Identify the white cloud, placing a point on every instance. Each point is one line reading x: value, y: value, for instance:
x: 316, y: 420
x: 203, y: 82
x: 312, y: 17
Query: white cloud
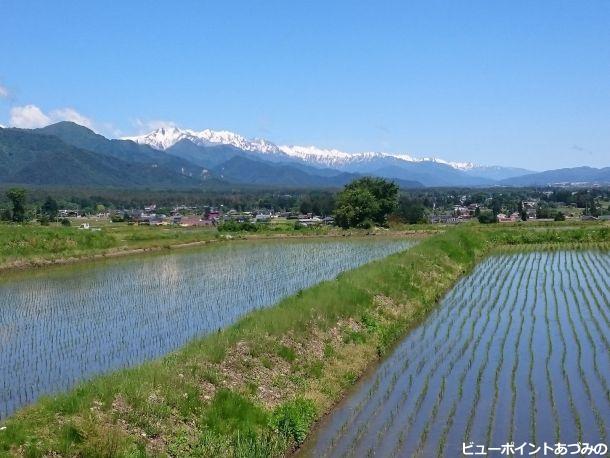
x: 28, y: 117
x: 70, y: 114
x: 3, y: 92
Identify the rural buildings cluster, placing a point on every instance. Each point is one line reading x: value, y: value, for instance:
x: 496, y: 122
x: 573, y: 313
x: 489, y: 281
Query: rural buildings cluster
x: 186, y: 216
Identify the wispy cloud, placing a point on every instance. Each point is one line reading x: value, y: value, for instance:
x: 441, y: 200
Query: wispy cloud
x: 4, y: 92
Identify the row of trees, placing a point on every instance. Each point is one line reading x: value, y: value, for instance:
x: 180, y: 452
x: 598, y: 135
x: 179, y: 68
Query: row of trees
x: 18, y: 211
x: 362, y: 203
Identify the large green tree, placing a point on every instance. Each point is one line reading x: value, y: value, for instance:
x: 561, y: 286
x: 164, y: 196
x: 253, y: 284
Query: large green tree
x: 410, y: 210
x: 366, y: 201
x: 50, y: 208
x: 17, y: 196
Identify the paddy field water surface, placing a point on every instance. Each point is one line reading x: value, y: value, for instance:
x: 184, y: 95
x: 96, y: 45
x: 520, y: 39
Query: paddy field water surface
x: 63, y: 325
x: 518, y: 351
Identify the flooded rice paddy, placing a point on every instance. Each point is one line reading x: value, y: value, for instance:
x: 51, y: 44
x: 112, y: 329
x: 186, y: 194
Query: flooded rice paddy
x: 60, y: 326
x: 517, y: 351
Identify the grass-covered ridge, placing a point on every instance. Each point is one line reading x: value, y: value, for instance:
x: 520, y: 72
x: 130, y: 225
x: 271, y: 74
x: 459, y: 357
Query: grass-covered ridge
x: 255, y: 388
x: 28, y: 245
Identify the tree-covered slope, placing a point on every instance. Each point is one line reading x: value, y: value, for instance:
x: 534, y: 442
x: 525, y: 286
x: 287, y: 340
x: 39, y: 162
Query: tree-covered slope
x: 28, y: 158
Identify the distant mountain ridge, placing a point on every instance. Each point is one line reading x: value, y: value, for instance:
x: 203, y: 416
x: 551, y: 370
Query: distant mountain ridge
x: 66, y: 153
x: 164, y: 138
x: 573, y: 175
x: 69, y: 154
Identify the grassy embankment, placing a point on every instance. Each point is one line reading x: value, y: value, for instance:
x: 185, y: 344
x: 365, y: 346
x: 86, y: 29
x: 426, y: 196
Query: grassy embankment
x: 256, y: 388
x: 24, y: 246
x: 30, y: 245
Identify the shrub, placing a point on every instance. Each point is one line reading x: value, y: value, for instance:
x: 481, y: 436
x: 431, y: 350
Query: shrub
x: 487, y: 218
x: 294, y: 418
x: 231, y: 412
x: 287, y: 353
x: 6, y: 215
x: 65, y: 222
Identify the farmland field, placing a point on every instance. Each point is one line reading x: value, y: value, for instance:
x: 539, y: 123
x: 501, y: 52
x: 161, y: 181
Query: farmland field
x: 60, y: 326
x: 517, y: 351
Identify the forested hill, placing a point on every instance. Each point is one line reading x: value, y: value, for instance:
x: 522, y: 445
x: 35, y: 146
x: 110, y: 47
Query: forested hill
x: 29, y: 158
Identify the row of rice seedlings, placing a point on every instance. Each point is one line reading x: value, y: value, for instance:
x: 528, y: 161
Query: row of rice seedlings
x: 435, y: 409
x: 483, y: 367
x: 457, y: 302
x: 469, y: 342
x: 593, y: 290
x: 594, y: 273
x: 588, y: 291
x: 600, y: 277
x: 530, y: 347
x: 508, y: 326
x: 474, y: 349
x: 601, y: 378
x: 603, y: 262
x: 581, y: 371
x: 440, y: 357
x: 474, y: 304
x: 572, y: 404
x: 515, y: 367
x: 549, y: 355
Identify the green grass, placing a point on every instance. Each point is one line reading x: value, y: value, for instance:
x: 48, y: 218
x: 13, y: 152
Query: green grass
x: 255, y: 388
x: 31, y: 244
x: 26, y: 242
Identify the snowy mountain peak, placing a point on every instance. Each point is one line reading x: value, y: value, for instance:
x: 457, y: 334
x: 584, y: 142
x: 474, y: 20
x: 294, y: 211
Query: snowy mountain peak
x: 165, y: 137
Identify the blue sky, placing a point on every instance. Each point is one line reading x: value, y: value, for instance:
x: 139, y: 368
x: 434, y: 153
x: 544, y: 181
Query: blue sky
x: 522, y: 83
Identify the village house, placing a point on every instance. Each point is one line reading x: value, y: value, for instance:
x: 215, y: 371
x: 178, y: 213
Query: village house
x: 462, y: 212
x: 530, y: 207
x: 313, y: 221
x: 262, y: 217
x: 512, y: 218
x: 66, y: 213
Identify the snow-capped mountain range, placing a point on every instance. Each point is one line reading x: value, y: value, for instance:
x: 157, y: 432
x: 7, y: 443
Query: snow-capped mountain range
x: 173, y: 158
x: 166, y: 137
